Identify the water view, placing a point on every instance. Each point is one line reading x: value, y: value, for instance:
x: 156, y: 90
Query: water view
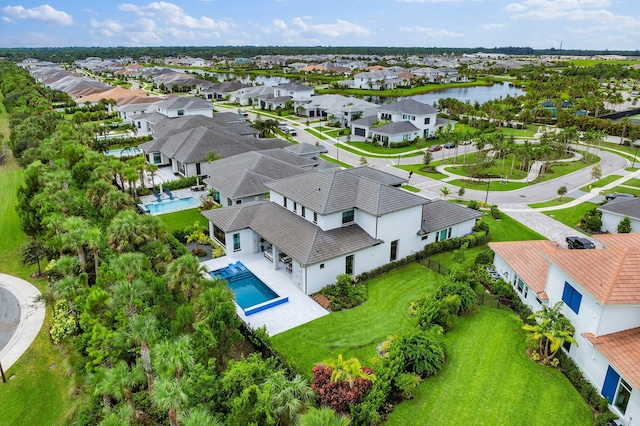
x: 480, y: 94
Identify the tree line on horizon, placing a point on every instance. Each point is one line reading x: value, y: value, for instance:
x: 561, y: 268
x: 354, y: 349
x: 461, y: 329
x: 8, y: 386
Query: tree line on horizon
x: 70, y: 54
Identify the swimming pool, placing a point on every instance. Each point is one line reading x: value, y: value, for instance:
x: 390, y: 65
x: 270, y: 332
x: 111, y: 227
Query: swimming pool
x: 126, y: 152
x: 252, y: 295
x: 166, y: 206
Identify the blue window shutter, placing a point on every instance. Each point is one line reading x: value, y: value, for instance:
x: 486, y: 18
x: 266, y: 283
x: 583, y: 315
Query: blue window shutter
x: 610, y: 384
x: 576, y: 299
x: 566, y: 294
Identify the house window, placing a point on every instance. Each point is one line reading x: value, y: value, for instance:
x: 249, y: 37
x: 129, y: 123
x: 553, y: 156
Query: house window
x: 424, y: 237
x: 348, y: 264
x: 443, y: 235
x: 236, y: 241
x: 347, y: 217
x: 295, y: 207
x: 427, y: 120
x: 521, y: 285
x: 239, y: 201
x: 180, y: 112
x: 394, y: 251
x: 571, y: 297
x: 449, y: 233
x: 157, y: 158
x: 219, y: 235
x: 315, y: 217
x: 610, y: 384
x: 285, y: 202
x: 322, y: 266
x: 302, y: 211
x: 138, y: 124
x: 229, y: 202
x: 198, y: 172
x: 622, y: 397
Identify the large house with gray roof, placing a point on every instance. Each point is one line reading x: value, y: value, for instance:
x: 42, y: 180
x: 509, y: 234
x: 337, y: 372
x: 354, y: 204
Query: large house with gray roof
x: 336, y: 221
x: 617, y: 209
x: 170, y: 108
x: 399, y: 121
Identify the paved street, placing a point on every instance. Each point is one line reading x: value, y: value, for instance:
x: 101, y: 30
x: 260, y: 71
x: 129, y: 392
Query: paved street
x: 9, y: 316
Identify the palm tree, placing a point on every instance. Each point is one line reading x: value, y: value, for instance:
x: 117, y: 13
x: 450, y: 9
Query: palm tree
x: 122, y: 231
x: 289, y: 398
x: 347, y: 370
x: 120, y: 417
x: 130, y: 265
x: 445, y: 191
x: 144, y: 329
x: 121, y: 381
x: 93, y: 238
x: 170, y: 358
x: 75, y: 228
x: 197, y: 417
x: 184, y: 274
x: 129, y: 296
x: 152, y: 168
x: 551, y: 330
x: 323, y: 417
x: 97, y: 382
x: 168, y: 395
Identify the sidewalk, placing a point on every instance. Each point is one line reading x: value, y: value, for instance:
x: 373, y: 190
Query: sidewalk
x: 31, y: 318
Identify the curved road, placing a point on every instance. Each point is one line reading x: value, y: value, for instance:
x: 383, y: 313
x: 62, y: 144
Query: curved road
x: 9, y: 316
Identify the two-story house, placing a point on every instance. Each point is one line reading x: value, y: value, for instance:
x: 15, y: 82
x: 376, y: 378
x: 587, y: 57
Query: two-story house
x: 601, y: 298
x: 170, y: 108
x: 398, y: 121
x: 336, y: 221
x: 614, y: 211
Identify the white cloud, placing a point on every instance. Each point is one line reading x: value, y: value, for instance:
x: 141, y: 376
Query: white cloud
x: 44, y: 13
x: 174, y: 15
x: 427, y: 1
x: 8, y: 20
x: 279, y: 24
x: 560, y: 9
x: 493, y: 26
x: 431, y: 32
x: 339, y: 29
x: 141, y: 31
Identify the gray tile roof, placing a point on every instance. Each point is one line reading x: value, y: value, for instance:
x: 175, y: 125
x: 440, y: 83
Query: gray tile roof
x: 185, y: 103
x: 623, y: 206
x: 440, y: 214
x: 409, y: 106
x: 333, y: 191
x: 378, y: 175
x: 170, y: 126
x: 306, y: 149
x: 192, y: 146
x: 399, y: 127
x: 365, y: 121
x: 245, y: 175
x: 293, y: 235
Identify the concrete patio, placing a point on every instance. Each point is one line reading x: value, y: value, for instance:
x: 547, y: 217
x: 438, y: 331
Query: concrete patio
x: 300, y: 308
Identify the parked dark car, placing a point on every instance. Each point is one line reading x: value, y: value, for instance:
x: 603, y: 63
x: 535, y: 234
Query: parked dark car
x: 449, y: 145
x: 615, y: 195
x: 434, y: 148
x: 579, y: 243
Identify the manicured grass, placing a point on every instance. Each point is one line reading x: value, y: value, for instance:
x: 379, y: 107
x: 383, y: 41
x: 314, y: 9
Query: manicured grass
x: 372, y: 148
x: 509, y: 229
x: 489, y: 380
x: 551, y: 203
x: 410, y: 188
x: 626, y: 189
x: 417, y: 169
x: 182, y: 219
x: 384, y: 152
x: 402, y: 92
x: 633, y: 182
x: 528, y: 132
x: 334, y: 161
x: 500, y: 168
x: 571, y: 216
x: 496, y: 185
x: 316, y: 134
x: 38, y: 394
x: 356, y: 332
x: 602, y: 182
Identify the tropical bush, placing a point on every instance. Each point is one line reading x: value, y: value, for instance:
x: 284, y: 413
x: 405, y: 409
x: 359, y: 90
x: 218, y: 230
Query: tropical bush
x: 423, y: 351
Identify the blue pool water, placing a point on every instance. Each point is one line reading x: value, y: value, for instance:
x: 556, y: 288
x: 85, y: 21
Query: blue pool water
x: 124, y: 152
x: 176, y: 204
x: 252, y: 295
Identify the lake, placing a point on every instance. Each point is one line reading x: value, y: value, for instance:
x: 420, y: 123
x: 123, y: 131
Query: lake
x: 480, y: 94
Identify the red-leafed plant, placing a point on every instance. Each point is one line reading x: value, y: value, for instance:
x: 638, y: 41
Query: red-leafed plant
x: 341, y: 383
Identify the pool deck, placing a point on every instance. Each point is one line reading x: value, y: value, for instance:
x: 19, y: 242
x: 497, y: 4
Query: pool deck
x: 300, y: 308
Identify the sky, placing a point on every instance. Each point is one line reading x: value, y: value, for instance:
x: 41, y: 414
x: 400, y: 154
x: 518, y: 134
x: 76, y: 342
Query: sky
x: 540, y: 24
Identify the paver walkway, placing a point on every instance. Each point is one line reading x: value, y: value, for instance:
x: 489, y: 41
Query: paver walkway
x: 31, y: 318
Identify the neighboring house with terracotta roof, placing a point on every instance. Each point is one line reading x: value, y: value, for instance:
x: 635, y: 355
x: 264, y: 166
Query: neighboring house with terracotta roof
x: 398, y: 121
x: 617, y: 209
x: 336, y: 221
x: 601, y: 294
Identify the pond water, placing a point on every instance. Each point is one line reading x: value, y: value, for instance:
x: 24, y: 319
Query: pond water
x: 480, y: 94
x: 264, y: 80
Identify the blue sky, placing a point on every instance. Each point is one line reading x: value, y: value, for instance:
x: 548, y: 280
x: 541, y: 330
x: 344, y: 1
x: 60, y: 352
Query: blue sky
x: 578, y: 24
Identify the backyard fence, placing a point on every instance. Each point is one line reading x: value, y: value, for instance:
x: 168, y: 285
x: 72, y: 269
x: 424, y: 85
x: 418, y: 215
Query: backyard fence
x: 436, y: 266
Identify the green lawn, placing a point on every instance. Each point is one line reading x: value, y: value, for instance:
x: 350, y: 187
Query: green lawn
x: 39, y: 393
x: 417, y: 169
x: 600, y: 183
x: 633, y: 182
x: 489, y: 380
x: 356, y: 332
x: 496, y: 185
x: 316, y: 134
x: 571, y: 216
x: 379, y: 151
x: 626, y: 189
x: 550, y: 203
x: 334, y: 161
x: 509, y: 229
x: 182, y: 219
x: 410, y: 188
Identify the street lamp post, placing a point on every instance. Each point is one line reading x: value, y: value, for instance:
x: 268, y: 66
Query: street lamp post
x: 486, y: 197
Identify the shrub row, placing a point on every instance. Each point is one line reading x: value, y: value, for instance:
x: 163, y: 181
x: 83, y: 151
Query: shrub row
x: 185, y: 182
x: 473, y: 240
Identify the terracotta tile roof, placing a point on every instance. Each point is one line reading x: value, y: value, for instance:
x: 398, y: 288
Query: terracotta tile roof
x: 630, y: 241
x: 622, y: 350
x: 528, y: 262
x: 610, y: 276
